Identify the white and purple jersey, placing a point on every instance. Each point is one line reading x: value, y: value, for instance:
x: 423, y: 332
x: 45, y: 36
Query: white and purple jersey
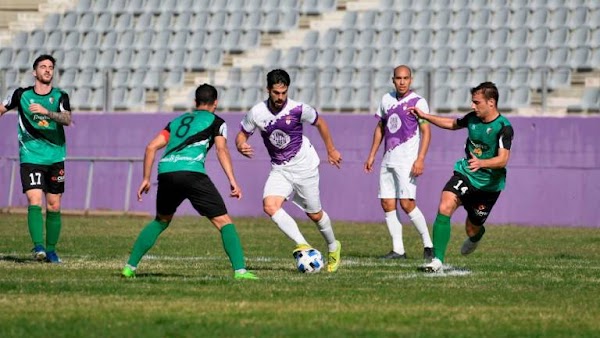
x: 282, y: 133
x: 401, y: 128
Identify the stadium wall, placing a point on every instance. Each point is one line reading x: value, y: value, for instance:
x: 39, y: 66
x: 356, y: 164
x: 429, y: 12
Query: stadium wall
x: 553, y: 174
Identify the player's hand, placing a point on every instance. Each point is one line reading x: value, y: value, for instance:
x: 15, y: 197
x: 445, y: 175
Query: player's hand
x: 417, y: 112
x: 236, y: 191
x: 38, y: 109
x: 369, y: 164
x: 335, y: 158
x: 474, y: 163
x: 417, y: 168
x: 143, y: 189
x: 246, y: 150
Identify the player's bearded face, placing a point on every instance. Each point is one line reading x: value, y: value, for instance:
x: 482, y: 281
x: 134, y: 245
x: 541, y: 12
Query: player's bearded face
x: 479, y: 104
x: 278, y: 95
x: 44, y: 72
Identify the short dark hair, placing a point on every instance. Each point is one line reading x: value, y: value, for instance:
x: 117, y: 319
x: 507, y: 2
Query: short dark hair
x: 488, y: 89
x: 206, y: 94
x: 278, y: 76
x: 43, y: 57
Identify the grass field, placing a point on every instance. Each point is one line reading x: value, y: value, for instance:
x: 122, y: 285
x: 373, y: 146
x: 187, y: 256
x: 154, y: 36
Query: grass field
x: 522, y: 282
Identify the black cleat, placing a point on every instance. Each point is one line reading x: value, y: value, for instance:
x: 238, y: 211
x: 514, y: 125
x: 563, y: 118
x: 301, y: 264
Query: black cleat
x: 428, y: 254
x: 394, y: 255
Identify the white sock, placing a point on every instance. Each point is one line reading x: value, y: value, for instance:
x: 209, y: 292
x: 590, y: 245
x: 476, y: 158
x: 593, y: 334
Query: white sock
x: 324, y: 225
x: 417, y: 218
x: 395, y: 229
x: 286, y: 223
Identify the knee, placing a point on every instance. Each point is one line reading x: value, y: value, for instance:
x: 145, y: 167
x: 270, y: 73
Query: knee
x: 165, y: 219
x: 53, y: 206
x: 315, y: 217
x: 388, y: 204
x: 407, y: 205
x: 270, y: 208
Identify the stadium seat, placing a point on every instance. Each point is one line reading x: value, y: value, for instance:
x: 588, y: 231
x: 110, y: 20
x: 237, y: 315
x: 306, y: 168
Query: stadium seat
x: 539, y: 57
x: 123, y: 22
x: 519, y: 76
x: 22, y: 60
x: 579, y: 36
x: 558, y: 17
x: 6, y: 57
x: 559, y: 57
x: 143, y: 23
x: 85, y: 23
x: 590, y: 100
x: 479, y: 75
x: 581, y: 58
x: 500, y: 17
x: 560, y: 77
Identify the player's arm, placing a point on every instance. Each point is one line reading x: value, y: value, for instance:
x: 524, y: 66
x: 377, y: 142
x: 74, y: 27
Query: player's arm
x: 159, y: 142
x: 440, y: 121
x: 333, y: 155
x: 247, y: 127
x: 63, y: 116
x: 419, y: 165
x: 377, y: 138
x: 2, y: 109
x: 10, y: 102
x: 501, y: 159
x: 225, y: 160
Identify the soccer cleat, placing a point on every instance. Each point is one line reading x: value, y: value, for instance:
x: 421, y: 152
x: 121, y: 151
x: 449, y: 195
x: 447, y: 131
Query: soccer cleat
x: 434, y: 266
x: 128, y: 272
x: 52, y: 257
x: 245, y: 275
x: 333, y: 259
x: 300, y: 247
x: 39, y: 253
x: 394, y: 255
x: 428, y: 254
x: 468, y: 247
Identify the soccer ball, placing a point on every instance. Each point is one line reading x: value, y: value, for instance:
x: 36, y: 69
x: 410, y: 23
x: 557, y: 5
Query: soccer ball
x: 308, y: 260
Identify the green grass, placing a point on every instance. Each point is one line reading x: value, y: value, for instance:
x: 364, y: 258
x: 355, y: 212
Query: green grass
x: 521, y: 282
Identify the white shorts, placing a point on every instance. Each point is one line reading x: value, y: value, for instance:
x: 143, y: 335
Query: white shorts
x: 397, y: 183
x: 305, y: 187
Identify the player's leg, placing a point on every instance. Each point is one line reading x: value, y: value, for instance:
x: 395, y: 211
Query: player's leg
x: 233, y: 246
x: 408, y: 197
x: 308, y: 198
x: 168, y: 197
x: 478, y: 209
x: 56, y: 187
x: 33, y: 183
x: 388, y: 194
x: 277, y: 189
x: 207, y: 201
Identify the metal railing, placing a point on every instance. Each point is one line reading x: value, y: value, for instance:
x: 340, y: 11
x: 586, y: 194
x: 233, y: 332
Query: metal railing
x: 90, y: 175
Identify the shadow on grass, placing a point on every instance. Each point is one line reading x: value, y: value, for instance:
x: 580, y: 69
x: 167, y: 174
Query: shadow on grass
x: 19, y: 260
x: 157, y: 275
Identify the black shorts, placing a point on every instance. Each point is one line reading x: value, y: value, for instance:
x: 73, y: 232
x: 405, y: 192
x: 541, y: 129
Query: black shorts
x: 49, y: 178
x: 477, y: 203
x: 175, y: 187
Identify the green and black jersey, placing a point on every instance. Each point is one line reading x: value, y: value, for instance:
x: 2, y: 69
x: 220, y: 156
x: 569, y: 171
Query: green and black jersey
x: 484, y: 141
x: 190, y: 136
x: 41, y: 139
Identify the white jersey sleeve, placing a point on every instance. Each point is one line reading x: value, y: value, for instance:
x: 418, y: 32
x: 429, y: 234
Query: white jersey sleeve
x: 309, y: 114
x: 248, y: 123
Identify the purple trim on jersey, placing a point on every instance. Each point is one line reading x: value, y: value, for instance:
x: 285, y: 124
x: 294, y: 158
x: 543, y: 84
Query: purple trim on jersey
x: 408, y: 128
x: 289, y: 124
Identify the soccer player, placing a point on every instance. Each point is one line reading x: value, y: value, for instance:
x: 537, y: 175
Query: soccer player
x: 479, y: 177
x: 294, y: 161
x: 43, y: 111
x: 406, y: 143
x: 182, y: 175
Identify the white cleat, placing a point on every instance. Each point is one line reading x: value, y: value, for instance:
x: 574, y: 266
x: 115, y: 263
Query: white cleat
x: 468, y: 247
x: 434, y: 266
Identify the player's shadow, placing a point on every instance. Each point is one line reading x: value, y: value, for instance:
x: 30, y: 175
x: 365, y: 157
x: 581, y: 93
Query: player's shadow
x: 158, y: 275
x: 19, y: 260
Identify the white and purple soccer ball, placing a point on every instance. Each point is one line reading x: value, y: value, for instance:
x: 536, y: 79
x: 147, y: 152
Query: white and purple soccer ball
x: 309, y: 260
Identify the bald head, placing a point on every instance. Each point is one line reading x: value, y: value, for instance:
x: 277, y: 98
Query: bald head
x: 402, y: 79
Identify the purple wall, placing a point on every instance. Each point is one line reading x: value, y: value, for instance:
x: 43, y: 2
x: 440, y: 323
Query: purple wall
x: 553, y: 174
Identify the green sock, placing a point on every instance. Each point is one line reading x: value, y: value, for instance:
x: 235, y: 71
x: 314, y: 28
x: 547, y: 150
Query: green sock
x: 53, y: 225
x: 146, y: 240
x: 35, y: 222
x: 441, y: 236
x: 478, y: 236
x: 233, y: 246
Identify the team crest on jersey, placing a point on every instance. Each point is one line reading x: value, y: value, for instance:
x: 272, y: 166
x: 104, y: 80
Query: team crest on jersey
x: 51, y: 100
x: 279, y: 139
x: 477, y: 151
x: 394, y: 123
x: 288, y: 120
x: 488, y: 131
